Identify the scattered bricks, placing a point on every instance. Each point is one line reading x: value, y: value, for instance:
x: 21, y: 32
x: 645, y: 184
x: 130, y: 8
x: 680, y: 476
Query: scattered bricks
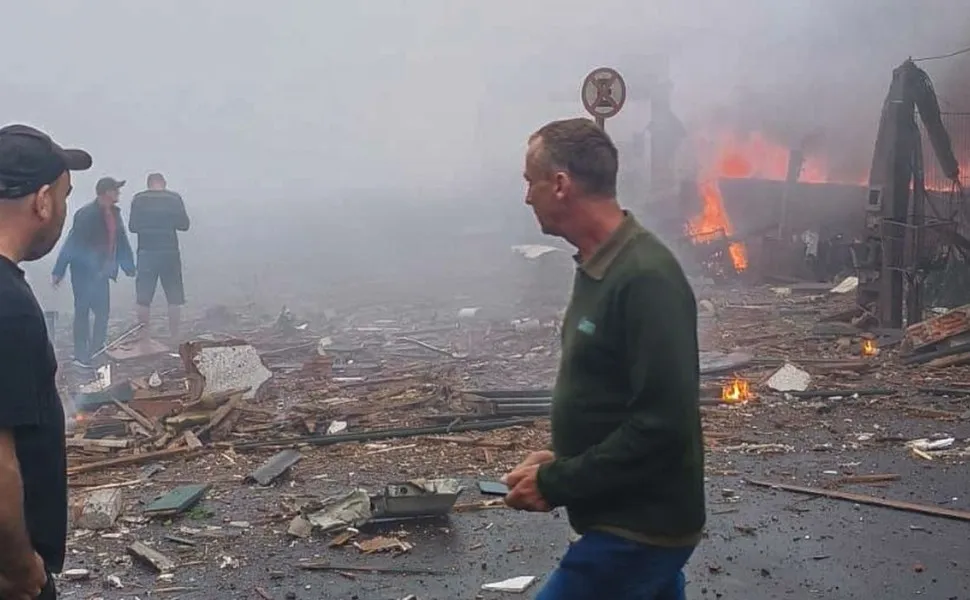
x: 936, y: 329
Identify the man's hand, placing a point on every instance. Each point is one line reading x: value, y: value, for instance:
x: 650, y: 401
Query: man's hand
x: 56, y: 280
x: 540, y: 458
x: 24, y: 584
x: 525, y: 494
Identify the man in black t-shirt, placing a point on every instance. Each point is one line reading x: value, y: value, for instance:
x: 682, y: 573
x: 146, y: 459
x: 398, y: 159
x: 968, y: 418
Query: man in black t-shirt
x: 157, y: 215
x: 35, y: 181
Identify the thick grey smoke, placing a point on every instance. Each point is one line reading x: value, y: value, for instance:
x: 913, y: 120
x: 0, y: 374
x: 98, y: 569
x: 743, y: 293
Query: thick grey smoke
x: 304, y: 129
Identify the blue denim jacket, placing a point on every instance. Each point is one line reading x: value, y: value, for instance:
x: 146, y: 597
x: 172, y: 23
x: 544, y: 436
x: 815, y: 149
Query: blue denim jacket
x: 84, y: 249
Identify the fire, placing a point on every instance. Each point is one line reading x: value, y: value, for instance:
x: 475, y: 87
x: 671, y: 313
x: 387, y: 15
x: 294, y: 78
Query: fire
x: 730, y: 156
x: 869, y: 347
x: 735, y: 392
x: 713, y: 223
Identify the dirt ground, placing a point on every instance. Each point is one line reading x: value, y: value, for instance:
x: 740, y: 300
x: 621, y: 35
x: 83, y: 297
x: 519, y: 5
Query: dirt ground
x: 760, y: 542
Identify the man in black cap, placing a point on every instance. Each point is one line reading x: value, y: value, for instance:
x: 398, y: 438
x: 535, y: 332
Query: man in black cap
x: 35, y: 181
x: 157, y: 215
x: 96, y: 247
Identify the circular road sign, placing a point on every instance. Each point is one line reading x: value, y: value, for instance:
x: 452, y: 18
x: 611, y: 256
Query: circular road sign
x: 604, y: 92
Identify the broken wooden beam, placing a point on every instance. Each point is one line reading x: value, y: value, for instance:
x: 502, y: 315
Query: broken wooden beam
x: 151, y: 557
x: 139, y: 418
x: 97, y: 444
x: 944, y: 391
x: 191, y: 440
x: 187, y: 419
x: 955, y: 360
x: 134, y: 459
x: 861, y: 479
x: 469, y: 441
x: 919, y: 358
x: 275, y: 466
x: 220, y: 414
x: 321, y: 566
x: 924, y: 509
x: 179, y: 540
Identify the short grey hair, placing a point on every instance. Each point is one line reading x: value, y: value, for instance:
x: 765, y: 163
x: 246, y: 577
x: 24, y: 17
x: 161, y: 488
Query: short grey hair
x: 581, y: 148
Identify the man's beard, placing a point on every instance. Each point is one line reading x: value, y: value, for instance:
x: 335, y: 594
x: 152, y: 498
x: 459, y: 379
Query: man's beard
x: 43, y: 243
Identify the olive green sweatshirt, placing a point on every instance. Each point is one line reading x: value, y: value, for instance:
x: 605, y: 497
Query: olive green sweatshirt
x: 626, y: 427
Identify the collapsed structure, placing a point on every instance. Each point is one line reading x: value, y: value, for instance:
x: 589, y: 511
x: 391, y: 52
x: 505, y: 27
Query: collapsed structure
x: 757, y: 210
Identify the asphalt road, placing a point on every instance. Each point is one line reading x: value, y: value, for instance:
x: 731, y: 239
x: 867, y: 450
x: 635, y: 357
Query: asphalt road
x: 760, y: 544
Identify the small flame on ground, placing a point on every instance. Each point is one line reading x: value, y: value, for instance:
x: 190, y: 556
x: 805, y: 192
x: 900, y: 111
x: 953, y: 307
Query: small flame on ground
x: 869, y: 347
x: 735, y: 392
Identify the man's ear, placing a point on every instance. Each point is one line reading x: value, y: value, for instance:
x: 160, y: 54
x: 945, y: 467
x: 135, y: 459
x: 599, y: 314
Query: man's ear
x: 42, y: 203
x: 562, y: 183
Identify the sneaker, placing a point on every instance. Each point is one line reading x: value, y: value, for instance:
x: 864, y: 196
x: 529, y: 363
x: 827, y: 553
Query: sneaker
x: 77, y: 362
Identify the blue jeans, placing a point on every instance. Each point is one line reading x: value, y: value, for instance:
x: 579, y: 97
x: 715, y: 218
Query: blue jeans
x: 601, y: 565
x: 92, y: 295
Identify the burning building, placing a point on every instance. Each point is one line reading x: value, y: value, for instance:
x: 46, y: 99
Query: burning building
x: 755, y: 207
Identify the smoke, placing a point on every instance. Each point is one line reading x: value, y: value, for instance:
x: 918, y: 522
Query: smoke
x: 311, y: 141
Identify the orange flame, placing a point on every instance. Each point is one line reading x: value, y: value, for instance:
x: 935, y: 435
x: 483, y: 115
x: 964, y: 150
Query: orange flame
x: 713, y: 223
x: 736, y: 392
x: 733, y: 157
x: 869, y: 347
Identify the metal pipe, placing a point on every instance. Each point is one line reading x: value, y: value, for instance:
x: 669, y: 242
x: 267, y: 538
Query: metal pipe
x: 840, y: 393
x: 118, y: 340
x: 383, y: 434
x: 521, y: 400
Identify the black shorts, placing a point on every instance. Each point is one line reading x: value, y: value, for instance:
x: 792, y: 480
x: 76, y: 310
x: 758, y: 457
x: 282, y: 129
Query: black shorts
x: 155, y: 267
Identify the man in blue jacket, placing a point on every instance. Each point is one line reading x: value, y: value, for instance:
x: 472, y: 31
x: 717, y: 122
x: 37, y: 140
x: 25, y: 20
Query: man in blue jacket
x: 96, y: 247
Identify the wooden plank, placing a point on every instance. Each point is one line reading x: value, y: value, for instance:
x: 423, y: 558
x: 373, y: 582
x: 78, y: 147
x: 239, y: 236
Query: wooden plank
x: 221, y: 413
x: 191, y: 440
x: 924, y: 509
x: 874, y: 478
x: 151, y: 557
x: 324, y: 566
x: 178, y: 500
x: 94, y: 444
x: 137, y: 416
x: 134, y: 459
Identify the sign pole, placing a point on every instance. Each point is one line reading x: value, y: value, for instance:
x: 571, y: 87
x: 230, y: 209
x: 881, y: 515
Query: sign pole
x: 603, y: 94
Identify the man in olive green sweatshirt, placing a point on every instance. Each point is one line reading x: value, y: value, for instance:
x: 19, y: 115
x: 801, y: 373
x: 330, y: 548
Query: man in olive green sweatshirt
x: 627, y: 458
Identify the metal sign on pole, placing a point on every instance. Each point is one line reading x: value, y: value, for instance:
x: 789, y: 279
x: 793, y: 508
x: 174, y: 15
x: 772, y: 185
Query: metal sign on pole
x: 603, y: 94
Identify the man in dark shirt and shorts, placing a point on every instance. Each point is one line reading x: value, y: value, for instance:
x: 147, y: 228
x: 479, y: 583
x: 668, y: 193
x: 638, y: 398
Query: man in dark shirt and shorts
x: 35, y: 181
x: 157, y: 214
x: 627, y: 457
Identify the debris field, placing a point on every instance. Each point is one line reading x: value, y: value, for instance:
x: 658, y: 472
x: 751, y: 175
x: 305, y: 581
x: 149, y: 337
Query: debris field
x: 358, y: 456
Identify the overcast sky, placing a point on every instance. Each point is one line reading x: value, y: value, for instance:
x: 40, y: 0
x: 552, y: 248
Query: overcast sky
x: 298, y: 100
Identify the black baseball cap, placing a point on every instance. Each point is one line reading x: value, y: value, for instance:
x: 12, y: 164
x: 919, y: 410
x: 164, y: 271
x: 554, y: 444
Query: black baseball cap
x: 108, y: 184
x: 30, y: 159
